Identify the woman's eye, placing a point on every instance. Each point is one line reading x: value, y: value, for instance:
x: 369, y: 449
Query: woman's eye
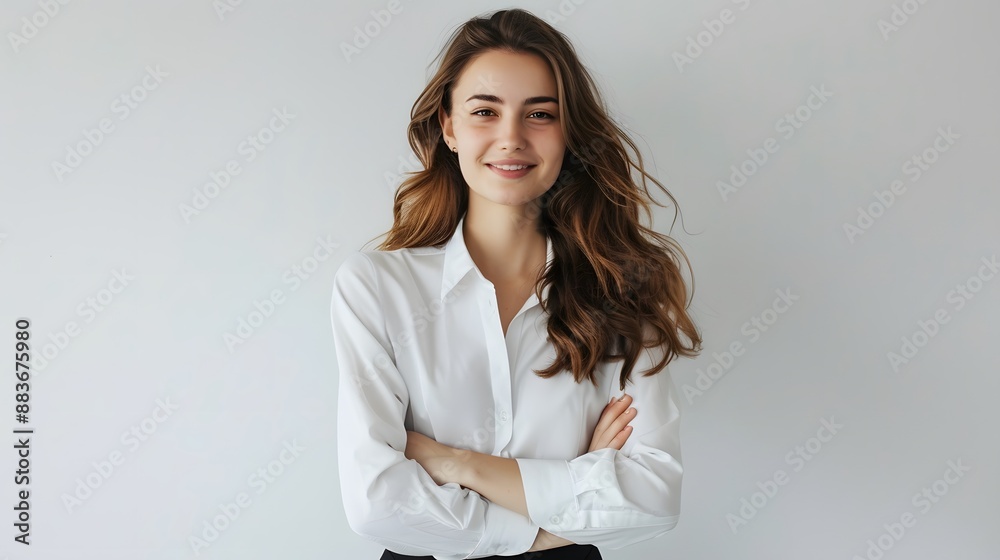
x: 545, y: 116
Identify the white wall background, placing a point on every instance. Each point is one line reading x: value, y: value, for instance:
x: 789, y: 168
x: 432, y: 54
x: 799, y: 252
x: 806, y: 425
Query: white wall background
x: 64, y: 234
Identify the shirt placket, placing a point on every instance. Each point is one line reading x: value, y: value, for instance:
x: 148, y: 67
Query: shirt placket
x: 499, y: 360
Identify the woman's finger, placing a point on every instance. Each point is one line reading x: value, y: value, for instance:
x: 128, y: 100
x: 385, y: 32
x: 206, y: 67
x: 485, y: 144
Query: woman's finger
x: 614, y: 436
x: 621, y: 420
x: 611, y: 412
x: 619, y: 440
x: 610, y: 425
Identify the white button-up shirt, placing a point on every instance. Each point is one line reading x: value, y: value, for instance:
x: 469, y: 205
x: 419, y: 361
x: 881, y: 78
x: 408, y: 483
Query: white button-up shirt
x: 420, y: 347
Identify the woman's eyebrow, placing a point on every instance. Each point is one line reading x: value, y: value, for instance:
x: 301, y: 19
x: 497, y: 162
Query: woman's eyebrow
x: 528, y: 101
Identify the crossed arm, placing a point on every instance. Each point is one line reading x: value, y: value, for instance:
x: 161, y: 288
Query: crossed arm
x: 498, y: 479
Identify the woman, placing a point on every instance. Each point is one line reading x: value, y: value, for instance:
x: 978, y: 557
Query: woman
x: 515, y: 270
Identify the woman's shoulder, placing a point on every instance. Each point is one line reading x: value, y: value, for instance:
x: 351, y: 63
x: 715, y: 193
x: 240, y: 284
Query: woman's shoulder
x: 391, y: 263
x: 400, y: 256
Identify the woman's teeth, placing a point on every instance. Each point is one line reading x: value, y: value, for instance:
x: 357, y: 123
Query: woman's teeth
x: 510, y: 167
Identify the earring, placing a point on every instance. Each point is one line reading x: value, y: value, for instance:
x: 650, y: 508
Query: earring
x: 454, y: 149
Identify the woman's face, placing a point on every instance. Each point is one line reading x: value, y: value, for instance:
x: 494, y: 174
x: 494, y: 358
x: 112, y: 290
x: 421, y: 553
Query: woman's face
x: 505, y: 107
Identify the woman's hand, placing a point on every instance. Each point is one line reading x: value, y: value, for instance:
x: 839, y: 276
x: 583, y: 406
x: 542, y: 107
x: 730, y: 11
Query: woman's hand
x: 612, y: 429
x: 445, y: 464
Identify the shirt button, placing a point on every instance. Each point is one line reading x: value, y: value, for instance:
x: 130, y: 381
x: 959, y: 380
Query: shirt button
x: 504, y: 416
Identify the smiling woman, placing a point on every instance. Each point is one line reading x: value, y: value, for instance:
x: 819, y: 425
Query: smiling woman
x: 471, y: 433
x: 483, y: 123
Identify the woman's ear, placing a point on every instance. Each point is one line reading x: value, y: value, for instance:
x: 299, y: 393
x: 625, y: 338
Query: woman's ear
x: 446, y: 127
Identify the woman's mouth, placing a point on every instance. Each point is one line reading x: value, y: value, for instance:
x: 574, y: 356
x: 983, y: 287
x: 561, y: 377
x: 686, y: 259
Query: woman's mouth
x: 510, y: 171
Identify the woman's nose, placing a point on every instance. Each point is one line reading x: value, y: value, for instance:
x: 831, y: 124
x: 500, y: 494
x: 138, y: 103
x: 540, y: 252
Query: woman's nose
x: 512, y: 135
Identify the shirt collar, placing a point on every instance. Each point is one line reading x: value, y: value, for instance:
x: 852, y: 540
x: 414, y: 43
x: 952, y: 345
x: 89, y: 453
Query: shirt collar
x: 458, y: 262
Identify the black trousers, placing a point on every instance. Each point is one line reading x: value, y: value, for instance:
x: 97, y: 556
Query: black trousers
x: 568, y: 552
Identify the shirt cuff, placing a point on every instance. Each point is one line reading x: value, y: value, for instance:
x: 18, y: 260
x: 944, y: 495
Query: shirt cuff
x: 548, y: 490
x: 506, y: 533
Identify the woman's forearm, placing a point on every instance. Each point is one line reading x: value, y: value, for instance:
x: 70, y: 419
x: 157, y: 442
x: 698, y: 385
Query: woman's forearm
x: 498, y: 479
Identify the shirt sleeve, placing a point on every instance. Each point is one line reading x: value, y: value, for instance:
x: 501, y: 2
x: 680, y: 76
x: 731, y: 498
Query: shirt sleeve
x: 388, y: 498
x: 613, y: 498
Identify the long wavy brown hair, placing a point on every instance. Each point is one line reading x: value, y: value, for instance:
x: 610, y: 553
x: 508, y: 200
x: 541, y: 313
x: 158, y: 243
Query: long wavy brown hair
x: 611, y: 280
